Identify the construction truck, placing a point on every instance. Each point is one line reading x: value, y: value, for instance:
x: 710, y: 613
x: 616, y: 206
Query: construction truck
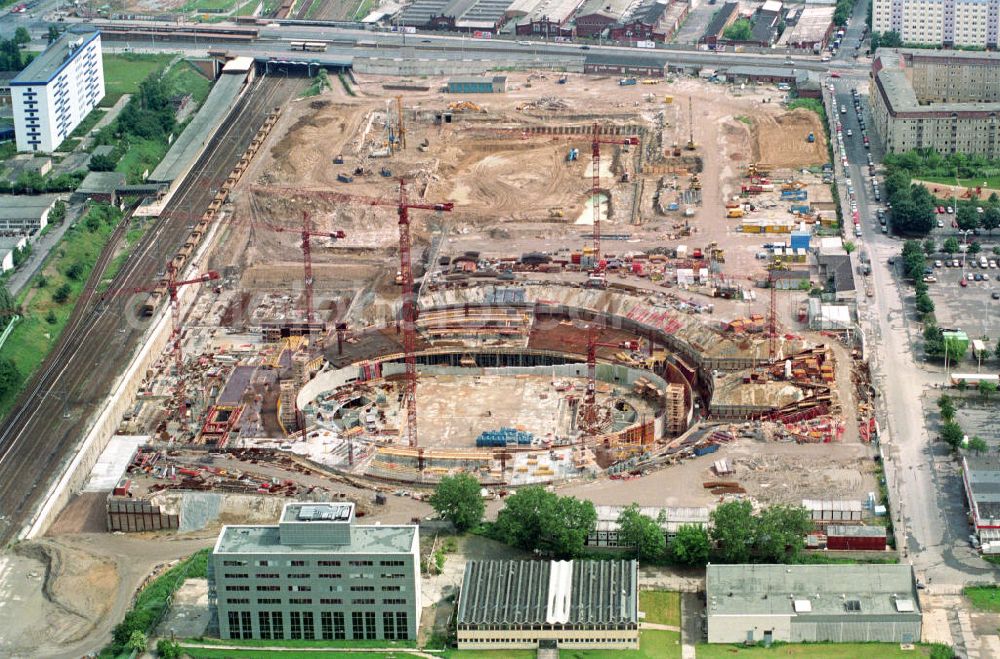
x: 734, y: 213
x: 627, y: 82
x: 555, y: 212
x: 345, y: 178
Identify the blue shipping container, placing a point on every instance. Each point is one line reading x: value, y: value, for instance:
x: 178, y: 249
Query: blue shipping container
x: 800, y: 240
x: 706, y: 449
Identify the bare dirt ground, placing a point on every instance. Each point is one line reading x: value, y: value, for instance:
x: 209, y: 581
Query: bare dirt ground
x: 782, y: 141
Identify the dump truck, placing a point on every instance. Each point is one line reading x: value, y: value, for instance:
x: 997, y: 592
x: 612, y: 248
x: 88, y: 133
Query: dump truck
x: 734, y: 212
x: 345, y: 178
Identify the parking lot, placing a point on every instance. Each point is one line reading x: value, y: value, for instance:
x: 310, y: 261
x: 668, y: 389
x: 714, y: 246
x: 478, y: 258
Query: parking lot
x: 974, y: 307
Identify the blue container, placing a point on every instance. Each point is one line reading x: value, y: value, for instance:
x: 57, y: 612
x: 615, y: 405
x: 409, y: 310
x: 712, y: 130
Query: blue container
x: 800, y: 239
x: 706, y: 449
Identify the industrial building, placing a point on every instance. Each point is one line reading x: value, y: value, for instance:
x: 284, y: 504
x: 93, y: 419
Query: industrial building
x: 548, y: 18
x: 981, y: 478
x: 327, y: 578
x: 464, y: 15
x: 565, y: 604
x: 651, y: 20
x: 939, y: 22
x: 54, y: 93
x: 942, y: 100
x: 670, y: 519
x: 595, y: 16
x: 808, y: 27
x: 23, y: 215
x: 8, y: 246
x: 812, y: 603
x: 723, y: 18
x: 854, y: 538
x: 477, y: 85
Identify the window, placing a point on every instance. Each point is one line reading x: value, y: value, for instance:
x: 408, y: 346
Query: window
x: 308, y: 630
x: 360, y: 563
x: 234, y: 625
x: 234, y: 563
x: 339, y: 629
x: 328, y: 563
x: 331, y: 576
x: 402, y: 625
x: 394, y: 601
x: 363, y: 601
x: 296, y: 624
x: 391, y: 563
x: 393, y: 576
x: 298, y: 575
x: 357, y: 626
x: 300, y: 600
x: 277, y: 624
x: 326, y: 625
x: 230, y: 575
x: 327, y: 600
x: 263, y: 563
x: 268, y: 588
x: 300, y: 589
x: 389, y: 626
x: 238, y: 600
x: 237, y: 588
x: 297, y: 563
x: 391, y: 588
x: 264, y: 624
x: 370, y: 632
x: 362, y: 589
x: 269, y: 600
x: 266, y: 575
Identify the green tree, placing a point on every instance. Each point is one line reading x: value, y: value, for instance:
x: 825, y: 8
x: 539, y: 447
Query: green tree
x: 951, y: 245
x: 8, y: 306
x: 732, y: 529
x: 974, y: 247
x: 929, y: 247
x: 849, y: 246
x: 967, y: 217
x: 10, y: 376
x: 780, y: 533
x: 986, y: 388
x: 458, y: 500
x: 137, y: 641
x: 962, y: 385
x: 51, y: 318
x: 952, y: 434
x: 22, y: 36
x: 740, y: 30
x: 75, y: 271
x: 537, y: 520
x: 946, y: 405
x: 933, y: 341
x: 53, y: 33
x: 991, y: 218
x: 102, y: 163
x: 924, y: 304
x: 58, y: 212
x: 641, y: 532
x: 690, y: 546
x: 888, y: 39
x: 61, y: 294
x: 996, y: 350
x: 978, y: 445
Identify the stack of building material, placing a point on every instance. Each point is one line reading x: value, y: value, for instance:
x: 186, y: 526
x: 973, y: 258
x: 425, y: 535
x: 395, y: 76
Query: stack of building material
x: 676, y: 417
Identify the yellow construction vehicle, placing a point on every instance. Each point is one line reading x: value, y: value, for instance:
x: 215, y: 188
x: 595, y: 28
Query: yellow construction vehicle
x: 668, y: 100
x: 465, y: 106
x: 734, y: 212
x: 555, y: 212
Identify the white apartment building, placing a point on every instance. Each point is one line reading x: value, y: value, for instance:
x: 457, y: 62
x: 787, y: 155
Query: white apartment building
x: 54, y: 93
x: 946, y: 22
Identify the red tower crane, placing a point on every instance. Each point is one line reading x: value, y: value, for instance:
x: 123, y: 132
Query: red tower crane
x: 307, y: 234
x: 589, y: 412
x: 597, y: 139
x: 171, y: 284
x: 408, y: 312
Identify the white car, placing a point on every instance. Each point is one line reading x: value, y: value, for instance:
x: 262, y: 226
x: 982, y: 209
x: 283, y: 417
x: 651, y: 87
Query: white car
x: 940, y: 224
x: 993, y: 263
x: 949, y: 210
x: 938, y: 264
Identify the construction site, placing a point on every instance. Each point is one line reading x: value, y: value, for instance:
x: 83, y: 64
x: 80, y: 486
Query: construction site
x: 583, y: 282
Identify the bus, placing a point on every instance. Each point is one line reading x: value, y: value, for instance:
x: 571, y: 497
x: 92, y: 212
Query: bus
x: 310, y: 46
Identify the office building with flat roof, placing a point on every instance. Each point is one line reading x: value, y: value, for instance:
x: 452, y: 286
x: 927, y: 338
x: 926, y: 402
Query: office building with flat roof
x: 812, y: 603
x: 316, y: 575
x: 54, y: 93
x: 549, y: 604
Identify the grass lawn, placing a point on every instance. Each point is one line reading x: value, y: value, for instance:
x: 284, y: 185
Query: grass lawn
x: 202, y: 653
x: 653, y: 644
x: 183, y: 78
x: 211, y: 6
x: 124, y: 71
x: 88, y: 122
x: 142, y: 154
x: 991, y: 182
x: 984, y: 598
x: 812, y: 650
x: 490, y: 654
x: 8, y: 149
x: 33, y: 337
x: 661, y: 606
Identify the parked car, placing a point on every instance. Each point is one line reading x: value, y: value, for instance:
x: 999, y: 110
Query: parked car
x: 940, y: 210
x: 930, y: 279
x: 963, y: 283
x: 950, y: 210
x: 940, y: 224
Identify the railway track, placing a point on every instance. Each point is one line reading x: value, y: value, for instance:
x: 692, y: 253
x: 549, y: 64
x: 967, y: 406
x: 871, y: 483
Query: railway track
x: 52, y: 415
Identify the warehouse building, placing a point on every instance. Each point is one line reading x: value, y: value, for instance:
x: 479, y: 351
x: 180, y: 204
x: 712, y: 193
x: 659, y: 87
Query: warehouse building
x: 943, y: 100
x: 461, y: 15
x: 54, y: 93
x: 808, y: 28
x: 548, y: 18
x: 23, y: 215
x: 981, y: 478
x: 651, y: 20
x: 855, y: 538
x: 316, y: 575
x: 723, y: 18
x: 562, y: 604
x: 595, y: 16
x: 477, y: 85
x: 939, y: 22
x: 812, y: 603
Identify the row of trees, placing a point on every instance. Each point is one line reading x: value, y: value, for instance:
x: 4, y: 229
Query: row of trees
x: 928, y: 163
x: 951, y: 431
x: 10, y: 376
x: 543, y: 522
x: 35, y: 183
x: 11, y: 56
x: 914, y: 263
x: 888, y: 39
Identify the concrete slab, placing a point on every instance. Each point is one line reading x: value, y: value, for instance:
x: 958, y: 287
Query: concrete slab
x: 110, y: 467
